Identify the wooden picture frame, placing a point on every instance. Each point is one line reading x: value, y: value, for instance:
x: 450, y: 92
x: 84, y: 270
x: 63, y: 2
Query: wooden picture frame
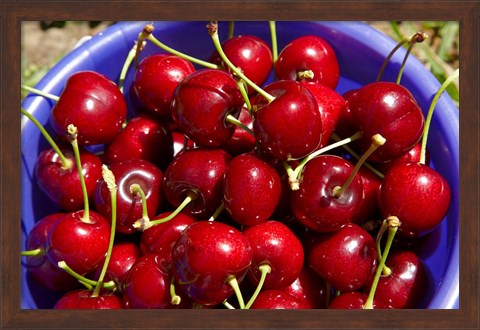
x: 13, y: 12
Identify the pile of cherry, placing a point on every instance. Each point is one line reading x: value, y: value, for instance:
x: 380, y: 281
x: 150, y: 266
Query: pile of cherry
x: 215, y: 189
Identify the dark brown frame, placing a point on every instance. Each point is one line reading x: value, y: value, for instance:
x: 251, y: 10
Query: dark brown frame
x: 15, y: 11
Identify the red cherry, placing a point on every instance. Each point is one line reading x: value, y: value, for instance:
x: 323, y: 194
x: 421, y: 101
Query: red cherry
x: 290, y: 126
x: 273, y: 243
x: 354, y: 300
x: 129, y: 204
x: 252, y: 189
x: 276, y: 299
x: 201, y: 103
x: 315, y: 204
x: 179, y: 142
x: 417, y: 195
x: 206, y: 256
x: 82, y: 299
x: 368, y: 207
x: 309, y: 53
x: 241, y: 140
x: 390, y: 110
x: 62, y: 185
x: 156, y: 79
x: 82, y: 245
x: 346, y: 258
x: 142, y: 138
x: 94, y: 104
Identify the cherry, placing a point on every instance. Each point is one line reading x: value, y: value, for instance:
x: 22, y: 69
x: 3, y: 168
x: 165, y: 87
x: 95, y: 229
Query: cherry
x: 180, y: 142
x: 207, y: 257
x: 276, y: 299
x: 142, y: 138
x: 156, y: 79
x: 92, y: 103
x: 417, y: 194
x: 252, y: 189
x: 315, y: 203
x: 311, y: 53
x: 412, y: 155
x: 62, y: 184
x: 346, y: 258
x: 354, y: 300
x: 274, y: 244
x: 148, y: 283
x: 250, y: 54
x: 82, y: 299
x: 368, y: 207
x: 241, y: 140
x: 388, y: 109
x: 129, y: 206
x: 198, y: 173
x: 405, y: 286
x: 201, y: 104
x: 289, y: 126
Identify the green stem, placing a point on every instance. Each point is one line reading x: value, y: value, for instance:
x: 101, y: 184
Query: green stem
x: 72, y: 136
x: 232, y: 280
x: 33, y: 253
x: 428, y: 119
x: 231, y: 28
x: 228, y: 305
x: 157, y: 42
x: 387, y: 59
x: 41, y: 93
x: 112, y: 187
x: 66, y: 163
x: 110, y: 285
x: 213, y: 31
x: 235, y: 121
x: 417, y: 37
x: 265, y: 269
x: 273, y: 35
x: 217, y: 212
x: 243, y: 90
x: 176, y: 299
x: 132, y: 54
x: 136, y: 189
x: 393, y: 225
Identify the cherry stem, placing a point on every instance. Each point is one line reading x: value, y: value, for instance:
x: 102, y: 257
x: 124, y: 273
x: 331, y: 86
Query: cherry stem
x: 213, y: 31
x: 232, y: 280
x: 41, y: 93
x: 393, y: 224
x: 217, y: 212
x: 294, y: 177
x: 227, y: 305
x: 243, y: 90
x: 428, y: 119
x: 72, y: 133
x: 378, y: 241
x: 33, y: 253
x: 146, y: 31
x: 132, y: 54
x: 176, y: 299
x: 88, y: 283
x: 66, y: 163
x: 336, y: 138
x: 307, y: 74
x: 192, y: 59
x: 265, y: 269
x: 235, y: 121
x: 231, y: 28
x: 273, y: 35
x: 417, y: 37
x: 136, y: 189
x: 140, y: 225
x: 377, y: 141
x: 109, y: 178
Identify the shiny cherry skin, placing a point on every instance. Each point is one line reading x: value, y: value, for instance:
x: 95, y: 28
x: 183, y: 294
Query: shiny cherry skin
x: 290, y: 126
x: 412, y: 155
x: 62, y: 185
x: 159, y: 239
x: 201, y: 103
x: 82, y: 245
x: 39, y: 267
x: 309, y: 53
x: 315, y: 204
x: 417, y: 195
x: 309, y: 287
x: 406, y: 286
x: 273, y: 243
x: 241, y: 140
x: 354, y: 300
x: 250, y: 54
x: 148, y: 284
x: 156, y: 79
x: 330, y: 104
x: 94, y: 104
x: 144, y: 137
x: 276, y: 299
x: 129, y: 204
x: 252, y: 189
x: 204, y: 258
x: 82, y: 299
x: 388, y: 109
x: 200, y: 171
x: 346, y: 258
x: 368, y: 207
